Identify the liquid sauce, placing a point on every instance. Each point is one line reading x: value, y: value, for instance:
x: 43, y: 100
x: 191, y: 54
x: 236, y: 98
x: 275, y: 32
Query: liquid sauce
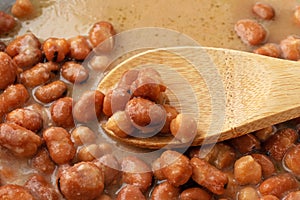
x: 208, y: 22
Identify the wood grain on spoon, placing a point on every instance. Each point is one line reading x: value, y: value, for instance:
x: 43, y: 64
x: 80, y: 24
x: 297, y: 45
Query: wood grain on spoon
x: 257, y: 91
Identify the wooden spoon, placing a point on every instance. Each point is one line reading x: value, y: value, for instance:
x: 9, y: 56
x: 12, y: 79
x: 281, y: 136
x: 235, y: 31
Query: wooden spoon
x: 235, y: 92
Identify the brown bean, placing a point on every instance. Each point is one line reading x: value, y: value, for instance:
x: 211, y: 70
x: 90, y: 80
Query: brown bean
x: 14, y: 96
x: 89, y: 152
x: 25, y: 50
x: 51, y: 91
x: 247, y: 170
x: 79, y: 47
x: 100, y: 32
x: 61, y: 112
x: 292, y: 160
x: 130, y: 192
x: 264, y: 133
x: 165, y: 191
x: 184, y: 127
x: 246, y: 143
x: 74, y: 72
x: 40, y: 188
x: 14, y: 192
x: 20, y: 141
x: 269, y: 49
x: 195, y: 194
x: 7, y: 22
x: 263, y: 10
x: 39, y: 74
x: 247, y: 193
x: 269, y: 197
x: 157, y: 169
x: 83, y: 135
x: 42, y: 162
x: 250, y: 31
x: 267, y: 166
x: 292, y: 196
x: 88, y: 107
x: 143, y: 112
x: 220, y: 155
x: 136, y: 172
x: 59, y: 144
x: 8, y: 71
x: 208, y: 176
x: 120, y: 124
x: 175, y: 167
x: 115, y: 100
x: 278, y: 185
x: 26, y: 118
x: 56, y: 49
x: 148, y: 85
x: 278, y: 143
x: 84, y: 180
x: 22, y: 8
x: 290, y: 48
x: 171, y: 114
x: 110, y: 168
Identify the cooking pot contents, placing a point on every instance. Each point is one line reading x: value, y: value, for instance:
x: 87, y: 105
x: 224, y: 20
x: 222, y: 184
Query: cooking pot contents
x: 48, y: 150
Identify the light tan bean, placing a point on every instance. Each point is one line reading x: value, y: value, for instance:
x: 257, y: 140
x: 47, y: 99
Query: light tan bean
x: 184, y: 127
x: 247, y: 170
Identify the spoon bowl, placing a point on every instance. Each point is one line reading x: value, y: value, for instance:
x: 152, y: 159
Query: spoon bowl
x: 230, y: 93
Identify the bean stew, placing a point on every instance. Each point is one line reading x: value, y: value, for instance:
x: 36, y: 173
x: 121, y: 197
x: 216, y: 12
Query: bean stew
x: 48, y: 150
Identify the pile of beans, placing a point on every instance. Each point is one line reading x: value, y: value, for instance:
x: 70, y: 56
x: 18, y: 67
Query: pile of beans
x: 137, y: 107
x: 253, y: 33
x: 45, y: 155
